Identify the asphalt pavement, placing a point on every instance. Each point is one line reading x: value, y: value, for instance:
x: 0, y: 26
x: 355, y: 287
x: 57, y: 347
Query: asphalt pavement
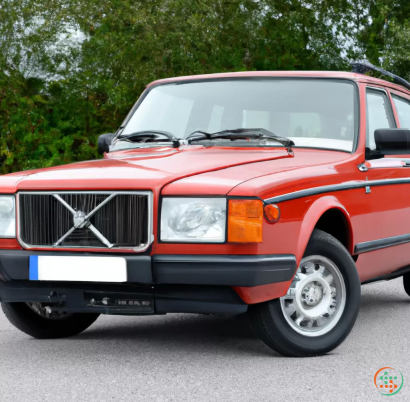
x: 181, y: 357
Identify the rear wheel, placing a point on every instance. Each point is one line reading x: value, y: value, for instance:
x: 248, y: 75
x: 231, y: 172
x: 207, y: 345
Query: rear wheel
x: 321, y: 305
x: 406, y: 283
x: 38, y: 321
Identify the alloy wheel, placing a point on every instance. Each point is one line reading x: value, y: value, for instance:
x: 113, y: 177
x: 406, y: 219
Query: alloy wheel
x: 316, y: 298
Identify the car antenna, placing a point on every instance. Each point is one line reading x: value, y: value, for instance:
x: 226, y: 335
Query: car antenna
x: 362, y: 67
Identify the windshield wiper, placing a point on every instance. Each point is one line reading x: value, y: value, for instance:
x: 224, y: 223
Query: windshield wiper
x: 150, y: 136
x: 240, y: 134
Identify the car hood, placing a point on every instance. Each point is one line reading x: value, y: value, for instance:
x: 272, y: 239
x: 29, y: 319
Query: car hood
x: 148, y: 169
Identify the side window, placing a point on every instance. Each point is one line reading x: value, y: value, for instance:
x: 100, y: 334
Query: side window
x: 379, y: 115
x: 403, y: 110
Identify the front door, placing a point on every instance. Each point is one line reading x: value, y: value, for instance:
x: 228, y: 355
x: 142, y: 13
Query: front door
x: 382, y: 244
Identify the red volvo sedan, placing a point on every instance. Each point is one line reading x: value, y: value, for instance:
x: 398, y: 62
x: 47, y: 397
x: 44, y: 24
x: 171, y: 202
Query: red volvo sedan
x: 275, y: 194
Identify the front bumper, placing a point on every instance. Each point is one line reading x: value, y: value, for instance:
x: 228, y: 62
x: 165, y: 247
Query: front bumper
x: 167, y: 283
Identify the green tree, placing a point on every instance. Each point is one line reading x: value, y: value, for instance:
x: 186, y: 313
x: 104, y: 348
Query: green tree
x: 71, y: 69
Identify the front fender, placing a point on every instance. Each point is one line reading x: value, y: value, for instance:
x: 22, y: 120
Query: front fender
x: 316, y: 210
x: 263, y: 293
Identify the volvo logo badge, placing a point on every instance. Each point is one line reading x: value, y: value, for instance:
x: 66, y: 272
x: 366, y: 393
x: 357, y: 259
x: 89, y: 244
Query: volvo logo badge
x: 82, y: 220
x: 79, y: 220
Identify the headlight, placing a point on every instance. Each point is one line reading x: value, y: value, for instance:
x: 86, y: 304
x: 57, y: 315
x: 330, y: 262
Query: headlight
x: 193, y: 220
x: 7, y: 216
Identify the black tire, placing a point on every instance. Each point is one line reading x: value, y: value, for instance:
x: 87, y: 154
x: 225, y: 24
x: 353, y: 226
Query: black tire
x: 406, y: 283
x: 28, y: 321
x: 269, y: 322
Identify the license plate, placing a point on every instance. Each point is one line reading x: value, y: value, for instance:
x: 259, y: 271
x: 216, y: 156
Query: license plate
x: 77, y: 269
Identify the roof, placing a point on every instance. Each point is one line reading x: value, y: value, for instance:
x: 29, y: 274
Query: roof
x: 287, y: 74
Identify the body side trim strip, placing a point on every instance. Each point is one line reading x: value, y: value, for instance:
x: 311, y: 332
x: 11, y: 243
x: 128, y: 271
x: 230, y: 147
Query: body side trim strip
x: 350, y: 185
x: 381, y: 243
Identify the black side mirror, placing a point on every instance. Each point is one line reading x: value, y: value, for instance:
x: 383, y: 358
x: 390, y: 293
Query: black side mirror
x: 104, y: 142
x: 392, y: 141
x: 373, y: 154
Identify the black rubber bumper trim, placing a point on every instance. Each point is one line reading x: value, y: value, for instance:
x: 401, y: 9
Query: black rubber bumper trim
x: 222, y: 270
x: 235, y: 270
x: 14, y: 264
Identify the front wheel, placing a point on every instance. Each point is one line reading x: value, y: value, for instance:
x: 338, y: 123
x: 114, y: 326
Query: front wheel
x: 321, y: 306
x: 37, y: 320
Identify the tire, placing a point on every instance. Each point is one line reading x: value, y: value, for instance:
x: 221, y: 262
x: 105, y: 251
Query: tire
x: 406, y: 283
x: 32, y: 323
x: 273, y: 322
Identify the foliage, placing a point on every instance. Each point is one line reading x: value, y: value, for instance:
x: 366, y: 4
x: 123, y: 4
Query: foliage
x: 71, y: 69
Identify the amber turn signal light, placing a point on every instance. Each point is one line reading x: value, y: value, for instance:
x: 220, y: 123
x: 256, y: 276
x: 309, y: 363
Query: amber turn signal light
x: 245, y: 219
x: 272, y: 213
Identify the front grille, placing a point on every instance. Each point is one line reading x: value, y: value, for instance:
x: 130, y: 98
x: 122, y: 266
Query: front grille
x: 94, y: 220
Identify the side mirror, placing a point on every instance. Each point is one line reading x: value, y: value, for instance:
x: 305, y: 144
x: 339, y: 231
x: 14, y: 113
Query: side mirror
x: 392, y: 140
x: 104, y: 142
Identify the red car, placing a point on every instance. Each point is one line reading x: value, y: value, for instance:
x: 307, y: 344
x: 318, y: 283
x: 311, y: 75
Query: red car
x: 272, y: 193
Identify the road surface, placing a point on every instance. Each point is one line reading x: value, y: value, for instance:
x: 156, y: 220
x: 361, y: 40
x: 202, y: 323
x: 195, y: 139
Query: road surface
x: 185, y: 357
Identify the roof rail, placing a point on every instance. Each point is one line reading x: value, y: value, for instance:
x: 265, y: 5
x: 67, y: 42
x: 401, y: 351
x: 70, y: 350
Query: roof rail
x: 362, y: 67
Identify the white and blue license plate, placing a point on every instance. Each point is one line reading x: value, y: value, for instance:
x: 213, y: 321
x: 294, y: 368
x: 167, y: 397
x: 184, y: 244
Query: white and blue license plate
x: 77, y: 269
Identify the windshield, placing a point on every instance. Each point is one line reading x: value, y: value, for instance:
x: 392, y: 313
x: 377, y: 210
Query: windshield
x: 310, y: 112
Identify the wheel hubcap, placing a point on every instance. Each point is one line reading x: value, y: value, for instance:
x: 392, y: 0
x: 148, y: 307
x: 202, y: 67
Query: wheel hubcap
x: 312, y: 294
x: 316, y: 298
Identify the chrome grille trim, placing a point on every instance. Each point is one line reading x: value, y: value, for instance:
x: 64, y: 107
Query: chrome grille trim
x: 110, y: 194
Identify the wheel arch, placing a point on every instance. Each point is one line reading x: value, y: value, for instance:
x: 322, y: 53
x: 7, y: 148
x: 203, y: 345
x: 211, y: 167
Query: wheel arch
x: 329, y: 215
